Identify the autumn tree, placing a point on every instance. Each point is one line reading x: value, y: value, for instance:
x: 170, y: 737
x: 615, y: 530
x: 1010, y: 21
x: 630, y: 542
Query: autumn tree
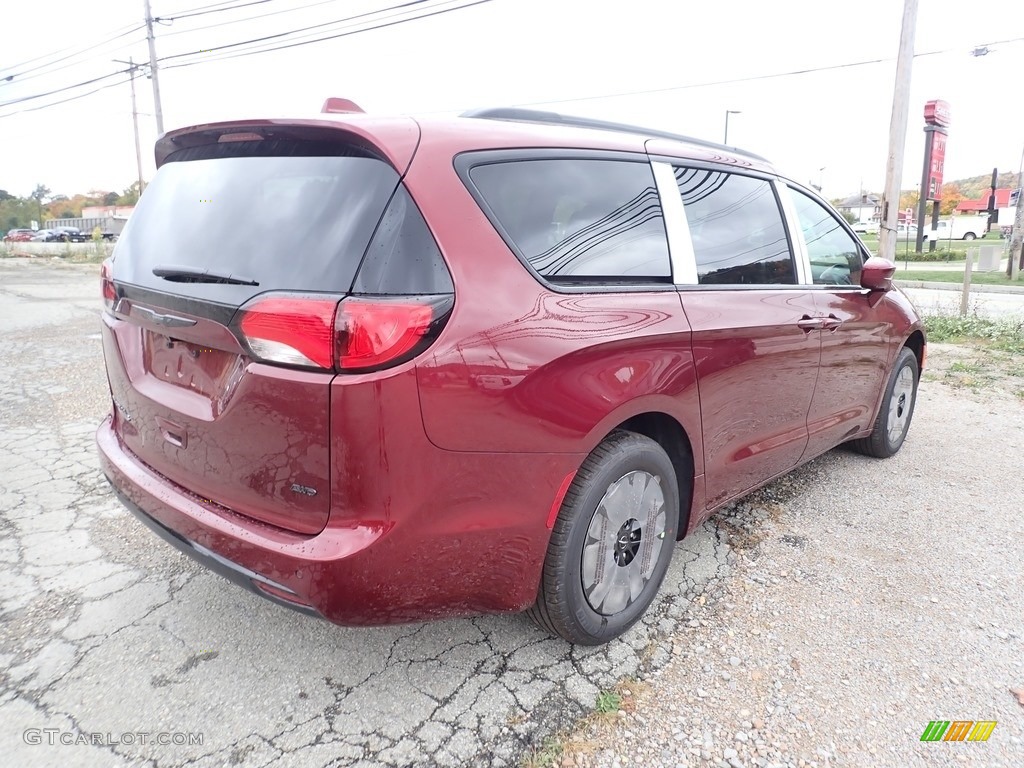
x: 951, y: 197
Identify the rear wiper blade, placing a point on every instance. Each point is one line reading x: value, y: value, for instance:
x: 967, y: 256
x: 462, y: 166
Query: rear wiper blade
x: 194, y: 275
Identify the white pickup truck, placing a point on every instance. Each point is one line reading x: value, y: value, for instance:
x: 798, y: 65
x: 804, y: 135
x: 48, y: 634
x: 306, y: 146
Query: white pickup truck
x: 959, y: 228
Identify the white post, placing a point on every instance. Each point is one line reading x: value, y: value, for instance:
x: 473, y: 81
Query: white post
x: 965, y: 297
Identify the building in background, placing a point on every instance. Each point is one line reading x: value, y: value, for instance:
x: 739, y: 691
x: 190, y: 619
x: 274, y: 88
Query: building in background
x: 107, y: 211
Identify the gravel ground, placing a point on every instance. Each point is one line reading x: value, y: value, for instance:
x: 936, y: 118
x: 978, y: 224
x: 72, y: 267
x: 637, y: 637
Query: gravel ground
x: 839, y: 609
x: 879, y: 595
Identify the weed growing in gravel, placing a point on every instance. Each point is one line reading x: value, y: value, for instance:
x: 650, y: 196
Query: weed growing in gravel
x: 1003, y: 333
x: 608, y: 702
x: 546, y: 755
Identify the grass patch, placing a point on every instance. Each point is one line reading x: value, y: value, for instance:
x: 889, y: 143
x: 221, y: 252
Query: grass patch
x: 1005, y: 334
x: 950, y: 276
x: 608, y: 702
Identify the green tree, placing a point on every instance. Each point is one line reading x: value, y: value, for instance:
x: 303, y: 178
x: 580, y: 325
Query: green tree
x: 110, y: 198
x: 40, y: 193
x: 130, y: 196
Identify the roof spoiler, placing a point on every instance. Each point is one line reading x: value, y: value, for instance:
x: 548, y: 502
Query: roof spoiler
x: 335, y: 104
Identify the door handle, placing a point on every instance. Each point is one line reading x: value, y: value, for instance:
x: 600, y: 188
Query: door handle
x: 831, y: 323
x: 808, y: 323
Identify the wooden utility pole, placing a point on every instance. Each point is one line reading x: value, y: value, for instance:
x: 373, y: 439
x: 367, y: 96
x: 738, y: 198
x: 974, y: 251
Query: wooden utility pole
x: 1017, y: 237
x: 157, y: 108
x: 898, y: 134
x: 132, y: 66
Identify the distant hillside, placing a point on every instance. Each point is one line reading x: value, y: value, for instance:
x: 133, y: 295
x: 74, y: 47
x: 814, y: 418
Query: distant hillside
x: 975, y: 186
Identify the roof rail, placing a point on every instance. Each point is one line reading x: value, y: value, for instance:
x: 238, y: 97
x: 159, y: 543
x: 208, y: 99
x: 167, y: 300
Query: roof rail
x: 517, y: 114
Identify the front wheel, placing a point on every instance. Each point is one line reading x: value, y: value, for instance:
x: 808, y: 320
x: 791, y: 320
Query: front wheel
x: 611, y: 543
x: 893, y: 421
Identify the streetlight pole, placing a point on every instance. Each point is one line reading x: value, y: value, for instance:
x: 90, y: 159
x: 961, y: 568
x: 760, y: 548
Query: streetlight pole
x: 727, y: 113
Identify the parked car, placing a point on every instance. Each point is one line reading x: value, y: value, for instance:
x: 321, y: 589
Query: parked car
x: 70, y: 234
x: 19, y: 235
x: 506, y: 362
x: 866, y: 227
x: 45, y: 236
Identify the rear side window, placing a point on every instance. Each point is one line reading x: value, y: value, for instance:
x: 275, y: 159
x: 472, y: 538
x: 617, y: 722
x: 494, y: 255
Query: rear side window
x: 403, y: 258
x: 579, y: 220
x: 293, y: 222
x: 737, y: 230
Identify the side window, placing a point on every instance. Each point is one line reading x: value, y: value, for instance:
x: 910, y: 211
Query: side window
x: 835, y: 255
x: 580, y: 220
x: 403, y: 258
x: 737, y: 230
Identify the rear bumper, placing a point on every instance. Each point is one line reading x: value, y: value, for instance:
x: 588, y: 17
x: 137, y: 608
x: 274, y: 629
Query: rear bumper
x: 233, y: 572
x: 428, y: 556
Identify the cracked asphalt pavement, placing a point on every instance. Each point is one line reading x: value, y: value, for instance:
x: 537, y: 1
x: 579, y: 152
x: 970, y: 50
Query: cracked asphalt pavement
x: 109, y: 637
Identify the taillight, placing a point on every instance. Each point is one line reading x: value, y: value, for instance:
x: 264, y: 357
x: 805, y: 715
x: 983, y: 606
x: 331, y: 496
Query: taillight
x: 107, y: 285
x: 292, y: 330
x: 355, y: 334
x: 377, y: 332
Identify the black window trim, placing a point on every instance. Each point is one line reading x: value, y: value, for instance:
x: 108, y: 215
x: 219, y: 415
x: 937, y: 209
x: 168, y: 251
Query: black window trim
x: 773, y: 181
x: 465, y: 162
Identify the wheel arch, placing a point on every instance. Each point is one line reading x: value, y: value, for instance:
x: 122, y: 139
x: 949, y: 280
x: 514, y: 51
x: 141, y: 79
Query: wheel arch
x: 670, y: 434
x: 915, y: 342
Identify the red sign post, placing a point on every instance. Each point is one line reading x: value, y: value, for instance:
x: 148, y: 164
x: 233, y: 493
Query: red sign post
x: 936, y: 118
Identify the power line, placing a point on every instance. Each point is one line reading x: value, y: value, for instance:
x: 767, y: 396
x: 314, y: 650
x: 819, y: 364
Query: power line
x: 248, y: 18
x: 235, y: 55
x: 749, y: 79
x: 329, y: 37
x: 88, y: 48
x: 63, y: 101
x: 62, y: 90
x: 201, y: 12
x: 291, y: 32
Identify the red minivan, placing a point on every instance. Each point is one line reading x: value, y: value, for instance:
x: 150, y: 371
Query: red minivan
x: 390, y: 369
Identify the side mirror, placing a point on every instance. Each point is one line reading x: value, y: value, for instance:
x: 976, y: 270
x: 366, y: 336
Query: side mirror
x: 877, y: 274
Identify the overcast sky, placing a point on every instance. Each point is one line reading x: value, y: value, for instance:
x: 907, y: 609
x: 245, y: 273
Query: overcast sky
x: 573, y: 56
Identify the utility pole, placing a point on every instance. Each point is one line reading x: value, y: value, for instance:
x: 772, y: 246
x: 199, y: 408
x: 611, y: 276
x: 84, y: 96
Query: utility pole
x: 897, y: 133
x: 157, y: 109
x: 132, y: 66
x: 1017, y: 233
x: 1017, y: 237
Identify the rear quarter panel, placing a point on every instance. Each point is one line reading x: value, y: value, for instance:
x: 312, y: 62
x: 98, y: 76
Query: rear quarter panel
x: 521, y: 368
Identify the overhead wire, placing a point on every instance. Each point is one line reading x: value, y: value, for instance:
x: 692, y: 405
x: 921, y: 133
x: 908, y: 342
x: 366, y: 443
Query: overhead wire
x: 200, y: 12
x: 19, y: 76
x: 242, y: 54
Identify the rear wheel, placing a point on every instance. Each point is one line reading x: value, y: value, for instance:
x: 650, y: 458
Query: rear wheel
x: 612, y: 542
x: 970, y: 236
x: 893, y: 421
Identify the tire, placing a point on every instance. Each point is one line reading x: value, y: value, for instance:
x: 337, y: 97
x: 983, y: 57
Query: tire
x: 970, y: 236
x: 887, y: 438
x: 619, y: 555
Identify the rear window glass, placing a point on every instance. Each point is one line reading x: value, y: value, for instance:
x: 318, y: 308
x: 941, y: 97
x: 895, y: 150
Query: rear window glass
x: 287, y: 223
x: 579, y: 219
